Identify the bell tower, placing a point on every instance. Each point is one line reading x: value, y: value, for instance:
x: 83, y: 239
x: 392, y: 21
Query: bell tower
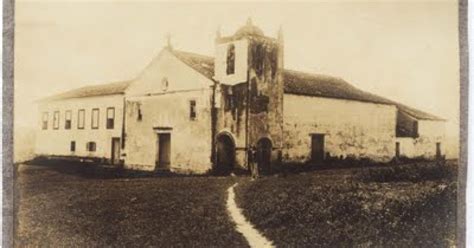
x: 231, y: 56
x: 250, y: 65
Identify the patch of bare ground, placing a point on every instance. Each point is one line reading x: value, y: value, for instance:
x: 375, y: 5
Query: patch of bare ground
x: 407, y: 206
x: 64, y: 208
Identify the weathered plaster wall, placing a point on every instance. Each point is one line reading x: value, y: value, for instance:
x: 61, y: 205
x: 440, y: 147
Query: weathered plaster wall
x: 190, y: 138
x: 232, y: 111
x: 231, y: 117
x: 241, y: 68
x: 434, y: 129
x: 351, y: 128
x: 57, y: 141
x: 430, y: 133
x: 266, y: 91
x: 407, y: 146
x: 266, y: 94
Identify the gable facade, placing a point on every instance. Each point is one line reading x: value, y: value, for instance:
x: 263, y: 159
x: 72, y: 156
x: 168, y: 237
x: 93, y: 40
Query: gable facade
x: 179, y: 112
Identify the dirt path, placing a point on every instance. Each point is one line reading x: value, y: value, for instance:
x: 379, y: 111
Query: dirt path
x: 243, y: 226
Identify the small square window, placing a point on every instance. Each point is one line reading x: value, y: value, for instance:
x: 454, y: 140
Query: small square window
x: 192, y: 110
x: 110, y: 118
x: 80, y: 118
x: 95, y: 118
x: 140, y: 115
x: 67, y: 120
x: 56, y: 120
x: 230, y: 59
x: 139, y: 112
x: 91, y: 146
x: 44, y: 123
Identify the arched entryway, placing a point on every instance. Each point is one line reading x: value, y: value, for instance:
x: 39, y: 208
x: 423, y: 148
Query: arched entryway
x: 225, y: 154
x: 264, y: 154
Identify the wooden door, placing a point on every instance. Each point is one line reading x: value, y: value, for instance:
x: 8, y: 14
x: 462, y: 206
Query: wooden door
x: 115, y: 158
x: 225, y: 155
x: 317, y: 147
x: 438, y: 150
x: 264, y: 155
x: 164, y: 151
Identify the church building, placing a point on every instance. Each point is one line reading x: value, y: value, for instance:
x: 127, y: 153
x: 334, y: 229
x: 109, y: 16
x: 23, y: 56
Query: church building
x: 191, y: 113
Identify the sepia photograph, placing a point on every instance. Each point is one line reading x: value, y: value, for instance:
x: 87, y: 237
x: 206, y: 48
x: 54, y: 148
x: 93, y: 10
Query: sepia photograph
x: 237, y: 124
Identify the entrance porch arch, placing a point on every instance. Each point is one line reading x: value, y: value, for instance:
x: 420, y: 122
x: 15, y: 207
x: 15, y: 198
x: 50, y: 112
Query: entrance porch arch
x: 225, y: 154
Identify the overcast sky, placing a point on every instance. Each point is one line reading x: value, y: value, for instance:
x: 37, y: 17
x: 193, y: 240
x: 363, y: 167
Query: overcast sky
x: 405, y: 51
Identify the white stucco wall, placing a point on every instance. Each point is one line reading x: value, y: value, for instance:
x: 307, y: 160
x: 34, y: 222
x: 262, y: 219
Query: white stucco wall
x: 433, y: 129
x: 407, y: 146
x: 57, y: 141
x: 351, y: 128
x: 190, y: 139
x: 241, y: 61
x: 424, y: 146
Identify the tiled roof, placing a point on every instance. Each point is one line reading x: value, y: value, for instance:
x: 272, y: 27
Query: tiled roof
x: 418, y: 114
x: 93, y: 90
x: 201, y: 63
x: 326, y: 86
x: 301, y: 83
x: 309, y: 84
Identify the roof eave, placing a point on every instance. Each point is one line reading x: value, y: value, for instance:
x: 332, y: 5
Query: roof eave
x: 434, y: 118
x: 338, y: 98
x: 194, y: 69
x: 76, y: 97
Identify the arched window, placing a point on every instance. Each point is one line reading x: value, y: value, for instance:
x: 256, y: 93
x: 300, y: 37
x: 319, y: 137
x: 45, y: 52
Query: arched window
x: 231, y: 59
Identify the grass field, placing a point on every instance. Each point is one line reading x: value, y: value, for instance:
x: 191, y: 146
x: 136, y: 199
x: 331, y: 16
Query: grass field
x: 403, y: 206
x: 71, y: 205
x: 60, y: 207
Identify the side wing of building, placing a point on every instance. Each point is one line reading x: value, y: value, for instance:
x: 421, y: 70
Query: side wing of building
x: 82, y: 127
x: 420, y: 137
x: 318, y: 128
x: 327, y: 118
